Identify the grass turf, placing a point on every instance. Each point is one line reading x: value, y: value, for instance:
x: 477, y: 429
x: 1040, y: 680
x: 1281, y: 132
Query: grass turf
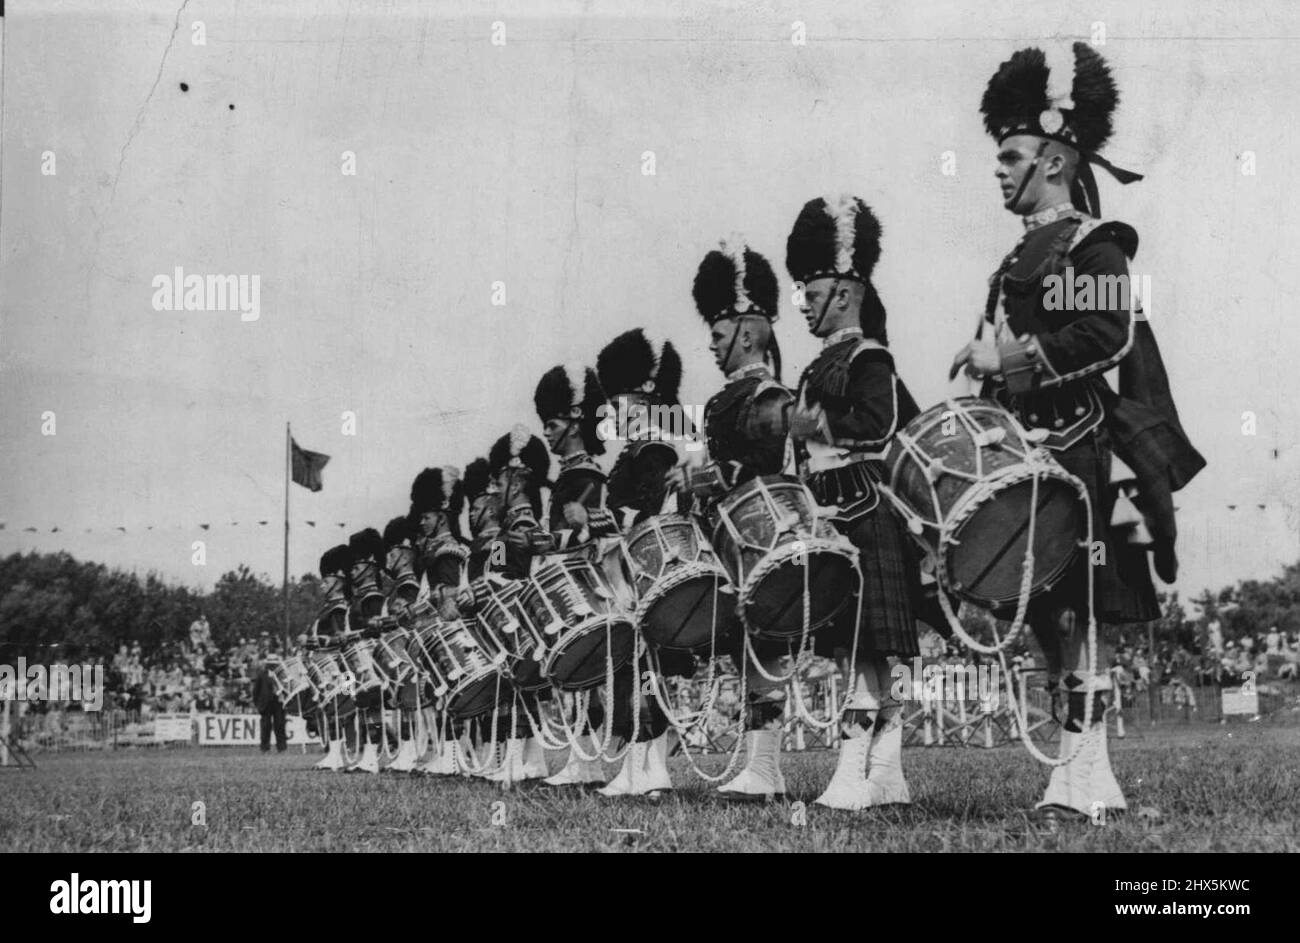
x: 1211, y: 788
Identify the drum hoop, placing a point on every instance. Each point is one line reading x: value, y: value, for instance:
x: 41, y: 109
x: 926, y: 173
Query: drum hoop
x: 674, y: 578
x: 581, y: 630
x: 988, y: 488
x: 838, y: 546
x: 1048, y: 468
x: 961, y: 407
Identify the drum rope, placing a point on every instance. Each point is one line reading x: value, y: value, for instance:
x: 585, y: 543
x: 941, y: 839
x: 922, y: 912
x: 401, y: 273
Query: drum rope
x: 494, y: 762
x: 804, y: 715
x: 1000, y: 645
x: 713, y: 689
x: 700, y: 718
x: 545, y: 730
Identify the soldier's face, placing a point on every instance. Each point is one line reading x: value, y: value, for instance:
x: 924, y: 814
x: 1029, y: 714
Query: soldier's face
x: 721, y: 341
x: 818, y: 306
x: 555, y: 430
x: 1015, y: 157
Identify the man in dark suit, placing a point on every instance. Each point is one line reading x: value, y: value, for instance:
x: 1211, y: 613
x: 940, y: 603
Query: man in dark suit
x: 269, y: 706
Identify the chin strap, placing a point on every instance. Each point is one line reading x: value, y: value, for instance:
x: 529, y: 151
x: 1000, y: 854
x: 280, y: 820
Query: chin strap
x: 735, y: 336
x: 731, y: 346
x: 826, y: 306
x: 1029, y: 174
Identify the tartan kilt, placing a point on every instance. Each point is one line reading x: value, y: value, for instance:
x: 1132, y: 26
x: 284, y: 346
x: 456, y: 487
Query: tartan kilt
x: 1123, y: 588
x: 404, y: 698
x: 890, y: 585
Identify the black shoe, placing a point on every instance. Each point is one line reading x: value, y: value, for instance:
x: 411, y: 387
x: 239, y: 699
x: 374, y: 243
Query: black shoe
x: 751, y: 798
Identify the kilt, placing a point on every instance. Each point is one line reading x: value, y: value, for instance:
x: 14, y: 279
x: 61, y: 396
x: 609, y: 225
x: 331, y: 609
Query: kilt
x: 1122, y: 585
x: 890, y: 586
x: 404, y: 698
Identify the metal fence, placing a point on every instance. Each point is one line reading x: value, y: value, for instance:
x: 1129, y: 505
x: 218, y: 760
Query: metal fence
x: 54, y: 730
x: 931, y: 723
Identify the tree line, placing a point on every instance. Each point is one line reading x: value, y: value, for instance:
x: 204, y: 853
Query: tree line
x: 82, y: 609
x: 55, y: 606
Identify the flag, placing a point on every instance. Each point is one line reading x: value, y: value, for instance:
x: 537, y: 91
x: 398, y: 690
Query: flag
x: 307, y: 467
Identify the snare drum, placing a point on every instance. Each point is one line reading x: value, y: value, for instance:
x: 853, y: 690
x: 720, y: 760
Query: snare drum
x: 497, y: 600
x: 966, y: 471
x: 290, y: 678
x: 359, y: 656
x: 775, y: 545
x: 465, y: 662
x: 574, y: 608
x: 327, y: 673
x: 685, y: 601
x: 393, y: 658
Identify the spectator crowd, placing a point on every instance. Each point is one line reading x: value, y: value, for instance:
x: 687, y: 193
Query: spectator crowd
x: 179, y: 677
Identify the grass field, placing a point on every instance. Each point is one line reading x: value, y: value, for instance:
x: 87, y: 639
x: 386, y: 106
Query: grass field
x: 1208, y: 788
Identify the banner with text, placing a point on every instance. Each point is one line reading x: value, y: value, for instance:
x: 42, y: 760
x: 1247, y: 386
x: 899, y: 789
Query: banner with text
x: 245, y: 730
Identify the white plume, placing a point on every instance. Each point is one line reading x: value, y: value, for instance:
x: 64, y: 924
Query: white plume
x: 734, y: 248
x: 843, y: 208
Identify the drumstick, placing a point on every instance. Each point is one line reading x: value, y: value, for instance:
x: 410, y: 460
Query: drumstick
x: 979, y: 334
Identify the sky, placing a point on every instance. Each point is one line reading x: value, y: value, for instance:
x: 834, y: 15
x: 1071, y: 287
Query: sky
x: 522, y: 163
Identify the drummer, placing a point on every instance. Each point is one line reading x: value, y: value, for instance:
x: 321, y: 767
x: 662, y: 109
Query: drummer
x: 334, y: 717
x: 367, y: 549
x: 567, y: 400
x: 637, y: 379
x: 745, y: 426
x: 1048, y: 367
x: 850, y: 403
x: 505, y: 495
x: 440, y: 552
x: 440, y: 560
x: 402, y: 588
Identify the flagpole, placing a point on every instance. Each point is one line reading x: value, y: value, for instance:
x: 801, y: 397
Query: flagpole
x: 288, y: 475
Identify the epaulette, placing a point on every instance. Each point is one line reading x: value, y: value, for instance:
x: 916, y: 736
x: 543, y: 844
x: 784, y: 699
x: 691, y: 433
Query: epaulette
x: 1097, y: 230
x: 734, y: 392
x: 767, y: 385
x: 831, y: 373
x: 583, y: 462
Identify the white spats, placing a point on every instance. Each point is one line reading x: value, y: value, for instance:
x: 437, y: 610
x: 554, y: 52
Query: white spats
x: 369, y: 762
x: 333, y: 759
x: 405, y: 759
x: 442, y: 761
x: 885, y: 782
x: 1086, y: 784
x: 870, y: 768
x: 534, y: 759
x: 761, y: 778
x: 644, y: 771
x: 518, y: 764
x: 577, y: 771
x: 486, y: 761
x: 848, y: 786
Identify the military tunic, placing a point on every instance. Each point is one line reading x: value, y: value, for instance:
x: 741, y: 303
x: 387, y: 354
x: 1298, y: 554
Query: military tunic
x: 1056, y: 343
